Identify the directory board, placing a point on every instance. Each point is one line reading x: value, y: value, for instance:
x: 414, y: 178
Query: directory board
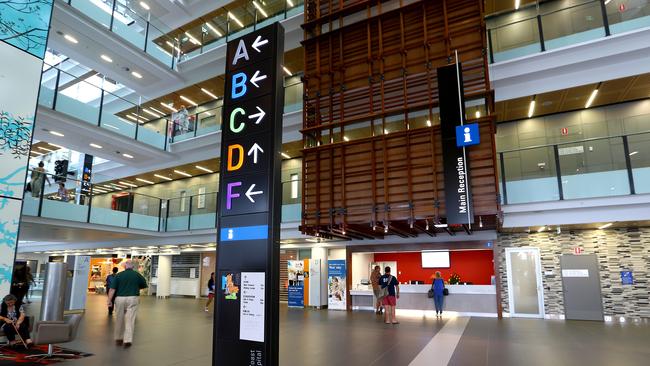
x: 248, y: 258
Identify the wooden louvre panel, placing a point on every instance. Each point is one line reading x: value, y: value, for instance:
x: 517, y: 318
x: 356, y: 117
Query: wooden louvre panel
x: 381, y: 70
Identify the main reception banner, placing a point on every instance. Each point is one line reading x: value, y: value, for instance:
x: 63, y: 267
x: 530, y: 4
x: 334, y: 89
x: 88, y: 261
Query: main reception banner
x: 248, y: 258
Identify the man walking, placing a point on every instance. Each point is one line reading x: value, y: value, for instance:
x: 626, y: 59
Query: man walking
x: 376, y: 288
x: 125, y: 289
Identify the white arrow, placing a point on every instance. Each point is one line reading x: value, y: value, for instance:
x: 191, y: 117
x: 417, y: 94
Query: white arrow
x: 251, y: 193
x: 259, y: 115
x: 254, y: 150
x: 259, y: 42
x: 257, y: 77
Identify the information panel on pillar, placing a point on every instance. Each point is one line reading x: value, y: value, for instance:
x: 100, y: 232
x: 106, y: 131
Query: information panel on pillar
x: 247, y: 275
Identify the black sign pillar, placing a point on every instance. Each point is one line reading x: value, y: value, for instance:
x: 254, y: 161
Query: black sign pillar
x: 246, y: 328
x: 458, y: 196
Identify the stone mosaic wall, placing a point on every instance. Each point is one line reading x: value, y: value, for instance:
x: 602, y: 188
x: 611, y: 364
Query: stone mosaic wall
x: 617, y: 250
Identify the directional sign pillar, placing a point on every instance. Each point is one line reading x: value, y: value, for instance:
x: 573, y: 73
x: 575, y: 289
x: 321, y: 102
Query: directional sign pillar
x: 246, y: 328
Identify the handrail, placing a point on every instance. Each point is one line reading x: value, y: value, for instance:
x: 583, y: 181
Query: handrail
x: 573, y: 142
x: 490, y: 17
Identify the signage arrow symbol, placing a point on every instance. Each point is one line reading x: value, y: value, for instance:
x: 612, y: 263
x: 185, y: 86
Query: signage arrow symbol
x: 257, y: 77
x: 258, y: 115
x: 250, y: 193
x: 254, y: 150
x: 259, y: 42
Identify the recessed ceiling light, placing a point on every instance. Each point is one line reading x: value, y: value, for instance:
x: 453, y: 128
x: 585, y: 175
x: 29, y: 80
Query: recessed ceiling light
x: 46, y: 149
x: 290, y: 3
x: 260, y: 9
x: 151, y: 113
x: 285, y: 155
x: 55, y: 145
x: 129, y: 156
x: 477, y: 114
x: 57, y: 133
x: 346, y: 139
x: 286, y: 70
x: 605, y: 226
x: 106, y: 58
x: 162, y: 177
x: 128, y: 184
x: 37, y: 152
x: 144, y: 5
x: 531, y: 108
x: 182, y: 173
x: 209, y: 93
x: 233, y: 17
x: 169, y: 106
x: 131, y: 117
x: 188, y: 100
x: 634, y: 153
x: 204, y: 169
x: 517, y: 3
x: 541, y: 229
x: 192, y: 39
x: 592, y: 97
x: 215, y: 30
x: 157, y: 111
x: 428, y: 123
x: 70, y: 38
x: 144, y: 180
x: 136, y: 74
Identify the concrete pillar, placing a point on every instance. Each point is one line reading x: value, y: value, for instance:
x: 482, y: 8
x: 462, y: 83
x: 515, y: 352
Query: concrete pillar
x: 164, y: 275
x: 321, y: 253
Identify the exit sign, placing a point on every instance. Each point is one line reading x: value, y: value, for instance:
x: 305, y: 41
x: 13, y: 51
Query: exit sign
x: 248, y: 235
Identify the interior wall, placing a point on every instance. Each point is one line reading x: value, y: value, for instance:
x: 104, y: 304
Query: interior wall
x: 361, y: 267
x: 475, y: 266
x: 617, y: 250
x: 338, y: 253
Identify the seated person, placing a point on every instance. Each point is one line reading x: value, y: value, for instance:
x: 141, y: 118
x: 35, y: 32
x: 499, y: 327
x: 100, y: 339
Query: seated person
x: 12, y: 314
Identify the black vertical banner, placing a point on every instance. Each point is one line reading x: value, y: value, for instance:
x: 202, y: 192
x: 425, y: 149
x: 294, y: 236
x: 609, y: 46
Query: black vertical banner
x: 458, y: 197
x: 246, y: 328
x: 86, y: 174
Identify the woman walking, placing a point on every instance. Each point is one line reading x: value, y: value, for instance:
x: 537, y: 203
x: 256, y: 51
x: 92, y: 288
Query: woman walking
x: 438, y: 287
x: 210, y: 292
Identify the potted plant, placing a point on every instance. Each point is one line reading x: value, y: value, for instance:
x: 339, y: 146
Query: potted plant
x: 454, y: 279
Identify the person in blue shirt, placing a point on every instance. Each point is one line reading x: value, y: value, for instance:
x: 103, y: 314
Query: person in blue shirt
x: 389, y: 282
x: 438, y: 287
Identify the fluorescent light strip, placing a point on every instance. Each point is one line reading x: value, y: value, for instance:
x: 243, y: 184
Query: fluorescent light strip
x: 106, y: 58
x: 144, y: 5
x: 55, y: 145
x: 285, y: 155
x: 591, y: 98
x: 109, y: 187
x: 128, y: 184
x: 209, y: 93
x: 531, y: 108
x: 144, y: 181
x: 290, y: 3
x: 634, y: 153
x: 157, y: 111
x: 233, y: 17
x: 517, y: 3
x: 129, y: 156
x: 346, y: 139
x: 204, y: 169
x: 119, y: 186
x: 162, y: 177
x: 192, y: 39
x: 169, y: 106
x: 182, y: 173
x: 151, y: 113
x: 477, y: 114
x: 57, y: 133
x: 541, y: 229
x: 188, y: 100
x: 45, y: 148
x: 37, y: 152
x: 260, y: 9
x: 215, y: 30
x: 70, y: 38
x: 287, y: 71
x: 96, y: 146
x: 172, y: 46
x: 136, y: 74
x: 605, y: 226
x: 131, y: 117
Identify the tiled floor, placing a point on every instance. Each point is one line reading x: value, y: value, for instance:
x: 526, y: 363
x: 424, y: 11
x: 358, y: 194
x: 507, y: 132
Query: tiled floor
x: 178, y: 332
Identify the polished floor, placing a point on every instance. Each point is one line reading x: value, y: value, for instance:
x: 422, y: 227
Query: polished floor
x: 178, y: 332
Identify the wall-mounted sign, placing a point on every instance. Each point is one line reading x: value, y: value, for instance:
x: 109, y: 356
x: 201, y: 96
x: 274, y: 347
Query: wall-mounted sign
x: 86, y: 174
x: 458, y: 196
x: 246, y: 326
x: 578, y: 250
x: 627, y: 278
x: 467, y: 135
x: 581, y: 273
x: 564, y: 131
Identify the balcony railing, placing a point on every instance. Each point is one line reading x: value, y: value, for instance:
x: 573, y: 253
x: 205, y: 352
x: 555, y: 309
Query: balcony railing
x: 134, y: 25
x: 598, y: 167
x: 235, y: 22
x: 72, y: 94
x: 107, y: 204
x: 555, y: 24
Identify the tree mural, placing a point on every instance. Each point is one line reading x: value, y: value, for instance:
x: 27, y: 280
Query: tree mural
x: 24, y: 24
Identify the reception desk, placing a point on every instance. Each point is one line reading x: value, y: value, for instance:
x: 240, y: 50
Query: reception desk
x: 462, y: 298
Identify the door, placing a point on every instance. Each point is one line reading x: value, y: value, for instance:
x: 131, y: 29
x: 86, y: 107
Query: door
x: 581, y: 287
x: 525, y: 293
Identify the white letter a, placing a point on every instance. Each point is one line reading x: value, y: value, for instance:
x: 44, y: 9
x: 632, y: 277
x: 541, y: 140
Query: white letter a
x: 241, y: 52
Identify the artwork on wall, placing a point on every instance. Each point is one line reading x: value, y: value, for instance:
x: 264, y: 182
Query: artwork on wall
x: 17, y: 107
x: 201, y: 198
x: 9, y: 219
x: 25, y: 23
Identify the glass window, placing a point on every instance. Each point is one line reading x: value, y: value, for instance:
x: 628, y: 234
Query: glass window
x: 294, y: 185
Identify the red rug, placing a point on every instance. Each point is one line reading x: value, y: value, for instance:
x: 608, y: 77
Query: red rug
x: 16, y: 355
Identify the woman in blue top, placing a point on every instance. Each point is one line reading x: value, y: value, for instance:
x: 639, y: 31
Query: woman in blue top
x: 438, y: 295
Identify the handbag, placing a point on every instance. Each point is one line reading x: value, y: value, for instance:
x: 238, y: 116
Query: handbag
x: 445, y: 291
x: 430, y: 294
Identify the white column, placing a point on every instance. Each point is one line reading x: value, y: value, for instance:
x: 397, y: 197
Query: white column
x: 164, y: 276
x: 321, y: 253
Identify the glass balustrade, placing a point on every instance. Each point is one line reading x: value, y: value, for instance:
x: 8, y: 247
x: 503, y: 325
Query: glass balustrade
x: 599, y: 167
x: 64, y: 199
x: 557, y: 24
x: 134, y: 25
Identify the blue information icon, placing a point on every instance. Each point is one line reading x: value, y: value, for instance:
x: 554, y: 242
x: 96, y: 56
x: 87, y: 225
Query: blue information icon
x: 467, y: 135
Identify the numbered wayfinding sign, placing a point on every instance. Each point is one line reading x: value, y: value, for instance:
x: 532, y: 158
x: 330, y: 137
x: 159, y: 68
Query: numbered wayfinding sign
x: 248, y: 235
